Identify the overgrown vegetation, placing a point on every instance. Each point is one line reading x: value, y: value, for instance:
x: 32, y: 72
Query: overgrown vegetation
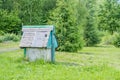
x: 9, y: 37
x: 9, y: 22
x: 77, y: 22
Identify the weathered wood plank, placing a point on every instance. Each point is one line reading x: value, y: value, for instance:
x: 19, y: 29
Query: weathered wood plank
x: 35, y: 39
x: 36, y: 29
x: 27, y: 39
x: 37, y: 53
x: 41, y: 39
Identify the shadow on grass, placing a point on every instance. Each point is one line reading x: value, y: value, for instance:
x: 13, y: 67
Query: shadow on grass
x: 87, y: 53
x: 42, y: 62
x: 104, y: 46
x: 67, y: 63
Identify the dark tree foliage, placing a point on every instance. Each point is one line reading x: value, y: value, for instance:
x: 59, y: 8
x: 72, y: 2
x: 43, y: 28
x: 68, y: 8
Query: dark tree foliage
x: 35, y: 12
x: 7, y: 5
x: 14, y: 13
x: 91, y: 36
x: 9, y: 22
x: 117, y: 41
x: 9, y: 19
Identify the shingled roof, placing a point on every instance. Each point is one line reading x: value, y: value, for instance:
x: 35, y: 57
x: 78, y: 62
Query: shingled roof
x: 37, y: 36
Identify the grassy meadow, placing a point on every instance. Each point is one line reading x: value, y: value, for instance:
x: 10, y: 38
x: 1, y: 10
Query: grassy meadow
x: 90, y: 63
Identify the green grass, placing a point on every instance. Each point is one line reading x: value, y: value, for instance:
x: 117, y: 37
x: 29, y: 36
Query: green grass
x: 9, y: 44
x: 91, y: 63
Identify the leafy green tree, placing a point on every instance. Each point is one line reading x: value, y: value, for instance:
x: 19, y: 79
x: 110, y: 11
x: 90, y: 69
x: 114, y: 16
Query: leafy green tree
x: 109, y: 15
x: 91, y: 35
x: 15, y: 12
x: 7, y: 5
x: 35, y: 12
x: 9, y: 22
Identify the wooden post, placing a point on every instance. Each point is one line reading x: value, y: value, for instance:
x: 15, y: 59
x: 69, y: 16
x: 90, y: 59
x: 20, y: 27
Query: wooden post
x: 25, y: 52
x: 52, y: 48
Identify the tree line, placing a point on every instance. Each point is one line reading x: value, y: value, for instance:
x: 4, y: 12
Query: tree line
x: 77, y: 22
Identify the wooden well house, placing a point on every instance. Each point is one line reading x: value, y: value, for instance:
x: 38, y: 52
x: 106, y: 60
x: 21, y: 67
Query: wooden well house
x: 39, y: 42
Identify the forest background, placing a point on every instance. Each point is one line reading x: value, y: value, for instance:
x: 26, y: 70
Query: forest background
x: 78, y: 23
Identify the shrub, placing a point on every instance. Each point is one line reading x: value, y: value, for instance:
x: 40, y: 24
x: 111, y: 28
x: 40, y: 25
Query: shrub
x: 1, y: 39
x: 12, y: 37
x: 117, y: 41
x: 108, y: 39
x: 9, y: 37
x: 1, y: 33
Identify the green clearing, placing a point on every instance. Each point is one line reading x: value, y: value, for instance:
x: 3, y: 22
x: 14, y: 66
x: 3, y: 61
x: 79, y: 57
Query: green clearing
x: 91, y: 63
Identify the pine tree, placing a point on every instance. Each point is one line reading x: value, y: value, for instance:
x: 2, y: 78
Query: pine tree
x: 91, y: 36
x: 68, y: 29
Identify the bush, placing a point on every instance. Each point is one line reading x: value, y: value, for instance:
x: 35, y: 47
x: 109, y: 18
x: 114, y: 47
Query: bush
x: 1, y: 39
x: 108, y: 39
x: 117, y: 41
x: 91, y: 37
x: 9, y: 37
x: 1, y: 33
x: 12, y: 37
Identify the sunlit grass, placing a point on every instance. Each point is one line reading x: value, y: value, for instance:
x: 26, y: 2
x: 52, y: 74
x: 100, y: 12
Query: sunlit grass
x: 8, y: 46
x: 91, y: 63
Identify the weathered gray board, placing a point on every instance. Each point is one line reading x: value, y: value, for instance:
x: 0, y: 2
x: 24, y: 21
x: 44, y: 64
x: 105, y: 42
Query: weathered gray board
x: 36, y: 29
x: 37, y: 53
x: 41, y: 39
x: 27, y: 39
x: 35, y: 41
x: 35, y: 37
